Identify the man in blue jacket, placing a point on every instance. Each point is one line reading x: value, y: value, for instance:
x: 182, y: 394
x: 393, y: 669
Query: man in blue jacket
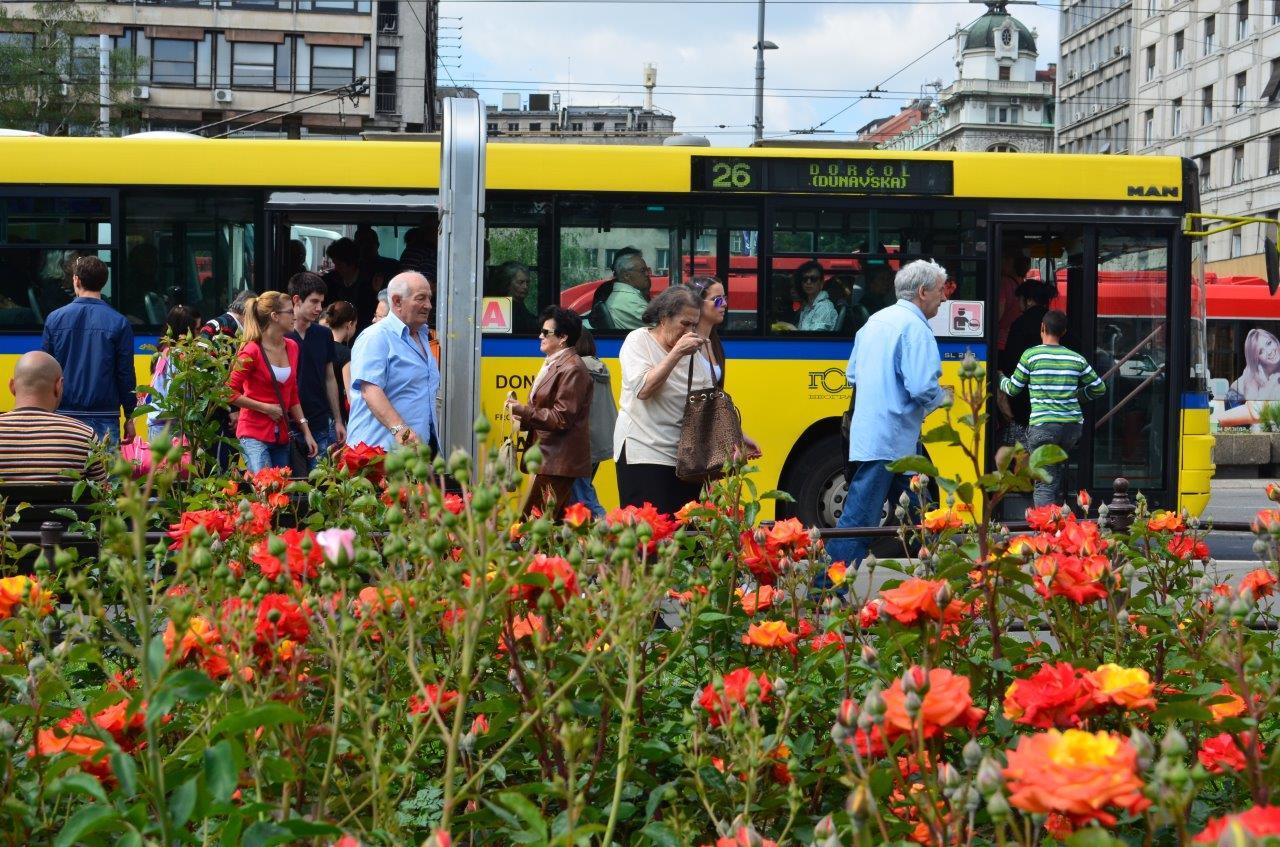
x: 94, y: 344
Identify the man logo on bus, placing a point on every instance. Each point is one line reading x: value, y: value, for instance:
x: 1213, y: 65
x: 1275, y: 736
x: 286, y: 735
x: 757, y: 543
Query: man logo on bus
x: 832, y: 380
x: 1153, y: 191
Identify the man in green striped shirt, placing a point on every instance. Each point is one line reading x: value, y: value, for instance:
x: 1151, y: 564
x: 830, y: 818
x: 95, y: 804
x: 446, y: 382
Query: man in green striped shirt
x: 1055, y: 377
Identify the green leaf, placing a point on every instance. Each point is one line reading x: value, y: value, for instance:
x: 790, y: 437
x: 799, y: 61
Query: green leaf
x: 126, y: 772
x: 80, y: 783
x: 187, y: 684
x: 661, y: 834
x: 155, y: 657
x: 220, y: 771
x: 1047, y: 454
x: 941, y: 434
x: 310, y: 829
x: 914, y: 464
x: 87, y: 820
x: 268, y: 714
x: 182, y: 801
x: 1093, y: 836
x: 265, y: 834
x: 530, y: 814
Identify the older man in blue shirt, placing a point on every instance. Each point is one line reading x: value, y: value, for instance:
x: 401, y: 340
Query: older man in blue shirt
x: 394, y: 376
x: 895, y: 367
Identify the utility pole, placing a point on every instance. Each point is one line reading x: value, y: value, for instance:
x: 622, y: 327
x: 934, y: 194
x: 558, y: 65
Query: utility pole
x: 104, y: 85
x: 761, y: 46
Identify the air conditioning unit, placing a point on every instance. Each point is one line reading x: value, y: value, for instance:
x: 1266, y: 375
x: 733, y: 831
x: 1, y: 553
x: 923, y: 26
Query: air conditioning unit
x: 1097, y: 109
x: 1015, y: 101
x: 222, y: 95
x: 1079, y: 116
x: 1119, y: 50
x: 1071, y: 74
x: 141, y: 92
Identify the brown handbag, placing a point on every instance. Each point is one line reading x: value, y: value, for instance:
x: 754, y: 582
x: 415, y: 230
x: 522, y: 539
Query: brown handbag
x: 710, y: 434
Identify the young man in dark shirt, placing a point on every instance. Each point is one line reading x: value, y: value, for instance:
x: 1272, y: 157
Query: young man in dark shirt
x: 317, y: 385
x: 93, y: 344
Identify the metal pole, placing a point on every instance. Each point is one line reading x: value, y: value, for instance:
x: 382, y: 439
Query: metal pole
x: 104, y: 85
x: 759, y: 123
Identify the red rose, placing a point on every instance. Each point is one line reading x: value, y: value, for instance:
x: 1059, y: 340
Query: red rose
x: 1224, y: 752
x: 216, y: 523
x: 279, y: 618
x: 1045, y: 518
x: 562, y: 580
x: 1076, y: 578
x: 358, y: 459
x: 302, y: 565
x: 1056, y: 696
x: 1258, y: 823
x: 721, y: 708
x: 1260, y: 583
x: 1187, y: 547
x: 946, y: 704
x: 660, y: 524
x: 434, y: 697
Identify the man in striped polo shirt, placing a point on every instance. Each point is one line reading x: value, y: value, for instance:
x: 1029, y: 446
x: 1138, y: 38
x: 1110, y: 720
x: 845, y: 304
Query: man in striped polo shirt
x: 36, y: 443
x: 1055, y: 377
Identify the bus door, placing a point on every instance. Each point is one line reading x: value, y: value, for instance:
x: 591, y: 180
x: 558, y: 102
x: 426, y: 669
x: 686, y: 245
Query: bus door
x: 1112, y: 282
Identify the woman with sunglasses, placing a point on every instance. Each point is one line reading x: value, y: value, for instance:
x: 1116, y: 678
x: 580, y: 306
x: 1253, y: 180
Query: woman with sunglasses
x: 557, y: 416
x: 715, y: 306
x: 817, y: 312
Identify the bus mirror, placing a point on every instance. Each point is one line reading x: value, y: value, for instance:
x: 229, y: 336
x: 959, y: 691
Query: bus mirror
x: 1273, y: 264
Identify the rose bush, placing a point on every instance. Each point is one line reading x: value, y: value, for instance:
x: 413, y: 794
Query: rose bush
x: 369, y: 657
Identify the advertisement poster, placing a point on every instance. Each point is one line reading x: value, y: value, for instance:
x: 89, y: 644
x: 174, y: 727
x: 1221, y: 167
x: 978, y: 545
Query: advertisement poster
x: 1245, y: 385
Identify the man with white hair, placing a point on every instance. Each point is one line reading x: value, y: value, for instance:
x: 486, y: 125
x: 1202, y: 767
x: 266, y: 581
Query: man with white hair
x: 394, y: 377
x: 894, y: 368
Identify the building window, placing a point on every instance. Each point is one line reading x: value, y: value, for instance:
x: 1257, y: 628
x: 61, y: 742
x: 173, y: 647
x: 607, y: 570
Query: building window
x: 388, y: 16
x: 1242, y: 20
x: 1002, y: 148
x: 1148, y: 127
x: 332, y: 66
x: 536, y: 126
x: 1275, y: 12
x: 1237, y: 164
x: 513, y: 127
x: 1272, y: 89
x: 388, y: 99
x: 1273, y: 154
x: 1210, y: 34
x: 597, y: 126
x: 1242, y: 84
x: 491, y: 127
x: 1206, y: 170
x: 1206, y: 108
x: 1177, y: 116
x: 252, y: 65
x: 1237, y: 244
x: 619, y: 126
x: 576, y: 126
x: 1151, y: 62
x: 1004, y: 72
x: 173, y: 62
x: 643, y: 126
x: 1179, y: 40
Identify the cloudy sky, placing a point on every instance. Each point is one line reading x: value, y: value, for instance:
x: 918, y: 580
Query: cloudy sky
x: 593, y: 51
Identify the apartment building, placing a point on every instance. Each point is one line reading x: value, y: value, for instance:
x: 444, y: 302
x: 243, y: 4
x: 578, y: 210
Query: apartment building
x: 272, y: 67
x: 1208, y: 87
x: 1095, y: 76
x: 542, y: 120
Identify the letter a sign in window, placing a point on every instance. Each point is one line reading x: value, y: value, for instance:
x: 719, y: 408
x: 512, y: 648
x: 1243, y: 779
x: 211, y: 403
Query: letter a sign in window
x: 495, y: 315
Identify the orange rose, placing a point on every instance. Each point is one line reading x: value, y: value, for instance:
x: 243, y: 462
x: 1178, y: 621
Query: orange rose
x: 1233, y: 707
x: 1166, y: 522
x: 757, y: 601
x: 1260, y: 583
x: 770, y: 635
x: 199, y: 635
x: 50, y: 742
x: 1128, y: 688
x: 912, y: 600
x: 946, y: 704
x: 1075, y: 773
x: 16, y: 590
x: 577, y: 515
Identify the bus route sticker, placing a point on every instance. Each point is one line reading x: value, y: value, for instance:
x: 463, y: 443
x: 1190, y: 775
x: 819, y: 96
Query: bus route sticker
x: 495, y: 315
x: 959, y: 319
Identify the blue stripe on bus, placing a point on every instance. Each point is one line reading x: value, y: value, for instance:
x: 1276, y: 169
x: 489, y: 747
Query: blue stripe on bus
x: 1195, y: 400
x: 780, y: 348
x: 16, y: 345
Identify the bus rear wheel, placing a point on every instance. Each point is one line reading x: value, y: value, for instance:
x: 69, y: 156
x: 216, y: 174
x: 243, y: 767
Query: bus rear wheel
x: 817, y: 483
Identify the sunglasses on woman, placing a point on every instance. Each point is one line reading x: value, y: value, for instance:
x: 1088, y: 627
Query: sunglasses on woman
x: 546, y: 333
x: 719, y: 301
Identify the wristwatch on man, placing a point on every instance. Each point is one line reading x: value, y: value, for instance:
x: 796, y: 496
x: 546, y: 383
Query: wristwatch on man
x: 395, y: 430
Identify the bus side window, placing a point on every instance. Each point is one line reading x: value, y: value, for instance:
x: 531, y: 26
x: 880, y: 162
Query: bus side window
x: 517, y: 249
x: 35, y: 280
x: 179, y: 247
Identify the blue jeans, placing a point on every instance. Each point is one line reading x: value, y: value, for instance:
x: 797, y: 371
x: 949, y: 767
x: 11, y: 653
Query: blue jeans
x: 325, y: 437
x: 105, y: 427
x: 1066, y: 436
x: 584, y: 492
x: 871, y: 485
x: 260, y: 454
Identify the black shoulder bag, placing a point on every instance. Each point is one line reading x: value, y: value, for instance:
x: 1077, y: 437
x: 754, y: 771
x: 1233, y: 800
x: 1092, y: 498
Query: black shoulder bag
x: 299, y: 462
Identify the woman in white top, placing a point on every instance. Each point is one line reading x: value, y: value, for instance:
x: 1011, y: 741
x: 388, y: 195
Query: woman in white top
x: 655, y: 362
x: 818, y: 313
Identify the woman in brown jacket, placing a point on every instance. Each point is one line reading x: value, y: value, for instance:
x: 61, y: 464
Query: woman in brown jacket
x: 556, y: 417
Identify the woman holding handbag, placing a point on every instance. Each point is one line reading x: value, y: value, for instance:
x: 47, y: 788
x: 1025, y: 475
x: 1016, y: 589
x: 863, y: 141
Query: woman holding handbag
x: 658, y: 374
x: 715, y: 304
x: 557, y: 416
x: 264, y: 384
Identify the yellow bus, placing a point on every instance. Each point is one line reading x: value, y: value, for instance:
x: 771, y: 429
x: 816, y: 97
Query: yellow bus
x: 195, y: 220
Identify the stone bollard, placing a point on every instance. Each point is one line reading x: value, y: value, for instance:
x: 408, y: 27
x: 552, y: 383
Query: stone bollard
x: 50, y: 540
x: 1121, y: 510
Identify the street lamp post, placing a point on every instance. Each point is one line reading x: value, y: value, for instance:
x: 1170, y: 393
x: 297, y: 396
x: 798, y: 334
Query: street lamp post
x: 761, y: 46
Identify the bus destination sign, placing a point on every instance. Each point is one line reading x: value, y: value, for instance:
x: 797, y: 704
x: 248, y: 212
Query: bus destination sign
x: 834, y: 176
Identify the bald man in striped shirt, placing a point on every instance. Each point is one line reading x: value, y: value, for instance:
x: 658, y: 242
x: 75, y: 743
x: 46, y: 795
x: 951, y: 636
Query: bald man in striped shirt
x: 38, y: 445
x: 1056, y: 377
